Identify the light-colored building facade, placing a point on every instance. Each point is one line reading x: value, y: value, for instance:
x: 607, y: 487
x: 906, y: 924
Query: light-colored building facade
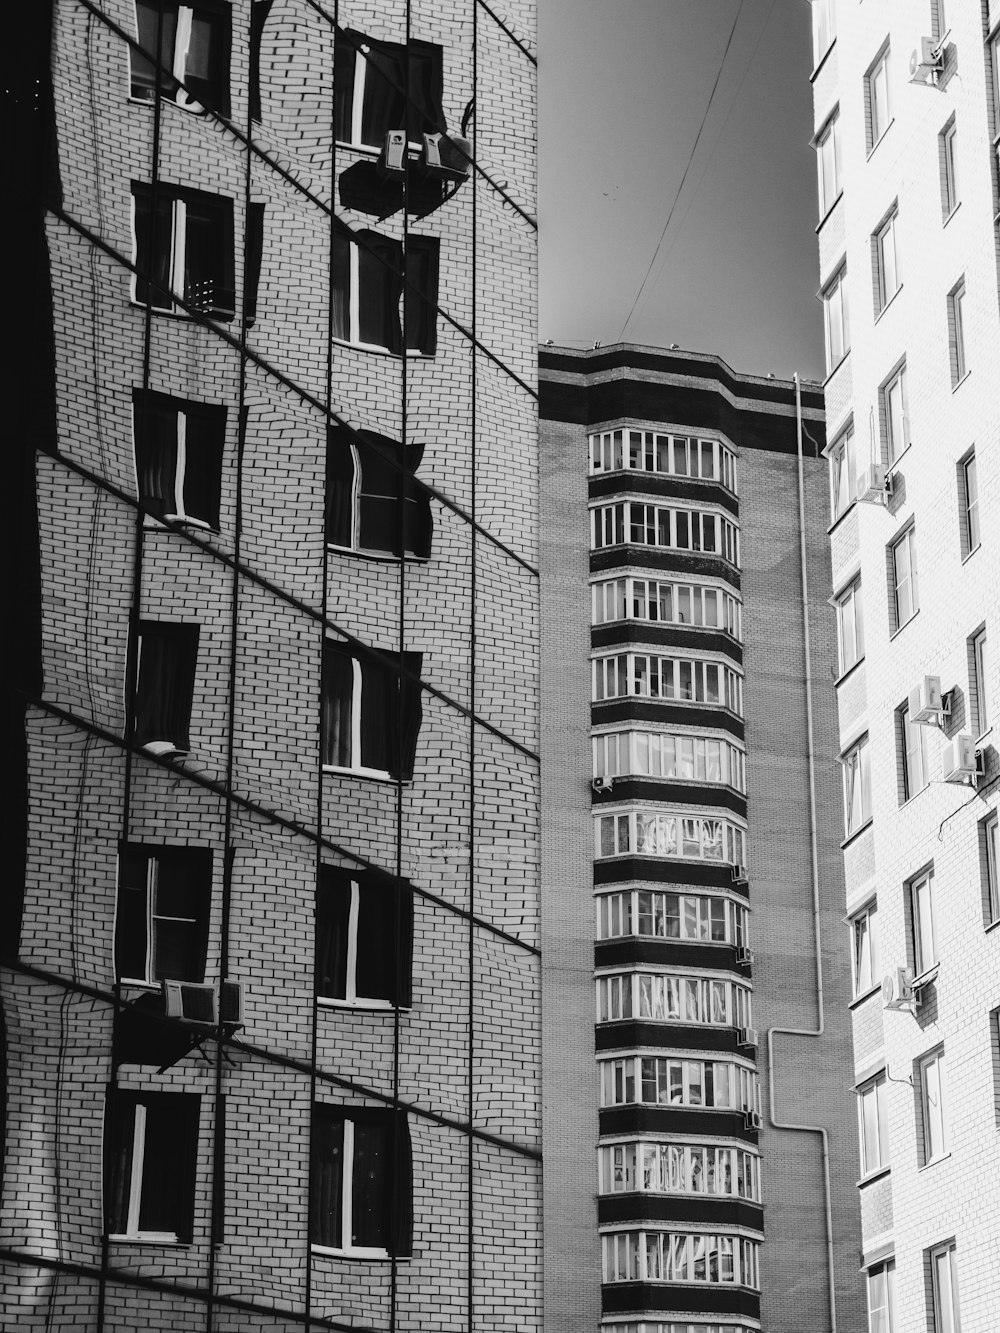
x: 271, y: 983
x: 698, y: 1140
x: 906, y: 116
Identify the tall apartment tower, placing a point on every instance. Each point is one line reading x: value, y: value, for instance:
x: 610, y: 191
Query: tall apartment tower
x: 271, y: 980
x: 906, y: 104
x: 699, y: 1141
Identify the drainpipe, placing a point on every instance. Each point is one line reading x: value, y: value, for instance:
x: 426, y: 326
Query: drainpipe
x: 808, y: 1032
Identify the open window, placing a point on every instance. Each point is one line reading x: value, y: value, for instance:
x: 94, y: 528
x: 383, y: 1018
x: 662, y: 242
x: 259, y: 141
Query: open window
x: 151, y: 1145
x: 193, y: 42
x: 371, y: 712
x: 372, y: 500
x: 184, y: 248
x: 178, y: 457
x: 361, y: 1181
x: 168, y: 656
x: 161, y: 924
x: 369, y: 297
x: 381, y: 86
x: 364, y: 938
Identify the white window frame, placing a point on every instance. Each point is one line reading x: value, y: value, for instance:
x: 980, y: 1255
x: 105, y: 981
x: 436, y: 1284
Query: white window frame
x: 877, y: 98
x: 981, y: 661
x: 850, y: 626
x: 638, y: 670
x: 642, y: 523
x: 659, y: 1166
x: 873, y: 1125
x: 949, y: 170
x: 347, y: 1206
x: 658, y: 1255
x: 857, y: 787
x: 836, y: 320
x: 624, y: 594
x: 152, y: 881
x: 621, y: 914
x: 882, y: 1316
x: 956, y: 334
x: 351, y: 998
x: 845, y: 470
x: 179, y: 514
x: 991, y: 833
x: 916, y: 774
x: 666, y: 828
x: 923, y: 915
x: 824, y: 29
x: 659, y: 997
x: 622, y: 1077
x: 932, y: 1103
x: 133, y: 1231
x: 905, y: 594
x: 626, y: 449
x: 669, y: 756
x: 828, y: 164
x: 944, y: 1287
x: 895, y: 414
x: 865, y: 950
x: 970, y: 503
x: 886, y: 262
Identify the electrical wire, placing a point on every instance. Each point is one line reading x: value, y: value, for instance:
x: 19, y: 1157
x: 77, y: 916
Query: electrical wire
x: 687, y: 168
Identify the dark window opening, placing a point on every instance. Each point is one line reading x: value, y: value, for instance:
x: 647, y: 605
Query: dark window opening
x: 364, y: 937
x: 253, y: 257
x: 371, y: 88
x: 151, y: 1145
x: 178, y: 456
x: 168, y: 657
x: 361, y: 1180
x: 161, y: 926
x: 259, y: 11
x: 371, y: 713
x: 369, y: 477
x: 368, y: 291
x: 194, y: 43
x: 184, y: 246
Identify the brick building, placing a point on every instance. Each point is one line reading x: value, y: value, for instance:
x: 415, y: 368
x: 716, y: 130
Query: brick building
x: 271, y: 989
x: 690, y: 856
x: 906, y: 107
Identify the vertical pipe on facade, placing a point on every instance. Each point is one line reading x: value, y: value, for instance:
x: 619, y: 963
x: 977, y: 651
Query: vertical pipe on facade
x: 471, y: 1014
x: 814, y: 855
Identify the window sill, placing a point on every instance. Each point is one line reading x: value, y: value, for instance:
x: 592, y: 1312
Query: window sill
x: 371, y: 1255
x: 958, y: 383
x: 925, y: 978
x: 364, y: 1006
x: 878, y: 1174
x: 186, y: 316
x: 895, y: 462
x: 949, y: 216
x: 888, y: 303
x: 375, y: 349
x: 910, y: 799
x: 195, y: 108
x: 841, y: 516
x: 880, y: 139
x: 369, y: 774
x: 171, y: 522
x: 968, y: 556
x: 853, y: 837
x: 993, y: 925
x: 822, y: 222
x: 822, y: 60
x: 896, y: 632
x: 942, y: 1157
x: 150, y: 1238
x: 849, y: 672
x: 859, y: 1000
x: 833, y: 370
x: 381, y: 557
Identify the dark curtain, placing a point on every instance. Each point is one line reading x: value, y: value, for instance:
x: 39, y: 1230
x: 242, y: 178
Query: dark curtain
x: 205, y: 438
x: 169, y: 1163
x: 391, y: 713
x: 208, y: 254
x: 333, y: 908
x: 421, y: 294
x: 411, y: 712
x: 381, y: 486
x: 119, y: 1127
x: 144, y: 67
x: 418, y: 523
x: 154, y: 419
x: 165, y: 687
x: 206, y: 74
x: 376, y: 976
x: 384, y: 107
x: 425, y: 113
x: 340, y: 287
x: 252, y: 258
x: 380, y: 285
x: 339, y: 486
x: 153, y: 245
x: 130, y: 919
x: 345, y: 55
x: 183, y: 892
x: 219, y: 1173
x: 326, y: 1177
x: 402, y: 1211
x: 337, y: 704
x: 259, y: 11
x: 371, y: 1199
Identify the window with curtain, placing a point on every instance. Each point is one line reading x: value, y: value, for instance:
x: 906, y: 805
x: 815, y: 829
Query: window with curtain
x: 168, y: 656
x: 372, y: 500
x: 194, y: 44
x: 151, y: 1142
x: 364, y: 938
x: 371, y: 711
x: 161, y: 923
x: 381, y: 86
x: 370, y: 306
x: 178, y: 456
x: 361, y: 1181
x: 184, y: 247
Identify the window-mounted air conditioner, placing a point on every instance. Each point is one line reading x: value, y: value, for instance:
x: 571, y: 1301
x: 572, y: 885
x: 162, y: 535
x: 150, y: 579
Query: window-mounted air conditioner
x: 897, y: 990
x: 960, y: 760
x: 163, y: 750
x: 927, y: 61
x: 746, y: 1037
x: 873, y: 486
x: 926, y: 704
x: 744, y: 955
x: 447, y: 155
x: 753, y: 1119
x: 197, y: 1003
x: 740, y: 874
x: 392, y: 158
x: 601, y: 785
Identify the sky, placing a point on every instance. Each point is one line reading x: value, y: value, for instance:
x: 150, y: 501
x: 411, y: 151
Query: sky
x: 623, y: 88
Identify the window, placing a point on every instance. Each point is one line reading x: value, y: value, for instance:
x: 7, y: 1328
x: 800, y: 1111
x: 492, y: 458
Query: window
x: 260, y: 11
x: 372, y: 500
x: 956, y: 334
x: 676, y: 455
x: 670, y: 1256
x: 904, y: 578
x: 922, y: 915
x: 914, y: 755
x: 178, y: 457
x: 658, y: 833
x: 991, y: 835
x: 949, y: 169
x: 167, y: 659
x: 364, y: 938
x: 895, y: 417
x: 886, y: 263
x: 865, y: 951
x: 369, y: 289
x: 664, y: 755
x: 882, y: 1297
x: 850, y: 626
x: 183, y: 247
x: 361, y: 1181
x: 675, y: 916
x: 652, y: 525
x: 371, y: 82
x: 679, y: 1168
x: 371, y: 712
x: 877, y: 98
x: 944, y: 1288
x: 161, y: 922
x: 837, y: 322
x: 970, y: 504
x: 673, y: 999
x: 151, y: 1143
x: 828, y: 164
x: 653, y: 600
x: 857, y: 787
x: 824, y: 26
x: 981, y: 696
x: 873, y: 1125
x: 674, y: 679
x: 193, y: 46
x: 663, y: 1081
x: 846, y: 466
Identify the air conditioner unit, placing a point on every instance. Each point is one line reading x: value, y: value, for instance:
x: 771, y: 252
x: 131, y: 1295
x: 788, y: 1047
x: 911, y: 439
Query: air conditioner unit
x: 925, y: 704
x: 753, y: 1119
x: 746, y: 1037
x: 392, y: 158
x: 897, y: 991
x: 197, y: 1003
x: 960, y: 761
x: 744, y: 955
x: 740, y: 874
x: 163, y: 750
x: 927, y: 61
x: 604, y: 784
x: 448, y: 156
x: 872, y: 485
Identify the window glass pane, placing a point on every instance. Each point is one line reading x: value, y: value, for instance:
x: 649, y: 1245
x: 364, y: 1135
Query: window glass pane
x: 371, y: 1185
